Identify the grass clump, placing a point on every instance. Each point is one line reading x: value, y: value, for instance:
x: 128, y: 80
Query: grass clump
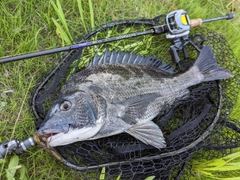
x: 226, y: 168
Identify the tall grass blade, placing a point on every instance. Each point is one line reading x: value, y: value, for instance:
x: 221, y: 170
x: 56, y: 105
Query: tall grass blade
x: 23, y: 172
x: 64, y: 36
x: 150, y: 178
x: 91, y: 14
x: 80, y: 9
x: 63, y: 19
x: 232, y: 156
x: 234, y: 164
x: 206, y: 173
x: 215, y: 162
x: 102, y: 175
x: 61, y: 16
x: 12, y: 168
x: 222, y: 168
x: 234, y: 178
x: 119, y: 177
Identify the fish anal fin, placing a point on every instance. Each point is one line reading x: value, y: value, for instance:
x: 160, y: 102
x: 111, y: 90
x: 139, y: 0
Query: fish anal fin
x: 149, y: 133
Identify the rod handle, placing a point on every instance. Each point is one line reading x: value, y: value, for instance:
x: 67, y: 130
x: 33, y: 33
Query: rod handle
x: 196, y: 22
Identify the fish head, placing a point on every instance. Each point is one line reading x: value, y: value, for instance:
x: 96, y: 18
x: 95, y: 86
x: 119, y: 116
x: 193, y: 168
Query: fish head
x: 71, y: 118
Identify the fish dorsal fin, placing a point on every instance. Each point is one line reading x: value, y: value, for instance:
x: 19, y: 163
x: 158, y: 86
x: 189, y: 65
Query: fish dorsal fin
x: 119, y: 57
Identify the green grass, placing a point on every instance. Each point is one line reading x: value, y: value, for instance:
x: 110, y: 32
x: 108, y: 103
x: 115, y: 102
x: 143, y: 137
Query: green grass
x: 28, y: 26
x: 225, y: 168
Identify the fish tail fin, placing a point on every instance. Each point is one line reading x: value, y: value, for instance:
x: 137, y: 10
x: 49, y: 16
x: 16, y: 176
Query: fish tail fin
x: 208, y: 66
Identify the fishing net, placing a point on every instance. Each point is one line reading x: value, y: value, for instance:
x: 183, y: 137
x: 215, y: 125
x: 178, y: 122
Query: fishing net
x: 199, y: 126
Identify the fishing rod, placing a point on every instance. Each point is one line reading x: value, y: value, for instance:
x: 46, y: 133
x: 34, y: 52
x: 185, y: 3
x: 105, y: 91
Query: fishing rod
x: 177, y: 25
x: 177, y: 28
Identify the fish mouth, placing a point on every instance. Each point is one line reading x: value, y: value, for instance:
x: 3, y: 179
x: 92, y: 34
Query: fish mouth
x: 50, y: 138
x: 49, y: 133
x: 46, y: 134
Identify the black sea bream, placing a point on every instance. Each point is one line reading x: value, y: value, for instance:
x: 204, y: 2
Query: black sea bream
x: 122, y: 94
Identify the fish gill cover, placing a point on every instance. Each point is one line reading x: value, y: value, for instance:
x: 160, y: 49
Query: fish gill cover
x: 199, y: 126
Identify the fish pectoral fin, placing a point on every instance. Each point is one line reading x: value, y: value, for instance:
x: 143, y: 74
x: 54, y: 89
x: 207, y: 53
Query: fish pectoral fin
x: 135, y: 107
x: 148, y: 133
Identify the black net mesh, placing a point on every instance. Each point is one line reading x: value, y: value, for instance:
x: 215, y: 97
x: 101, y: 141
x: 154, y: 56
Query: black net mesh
x: 198, y: 126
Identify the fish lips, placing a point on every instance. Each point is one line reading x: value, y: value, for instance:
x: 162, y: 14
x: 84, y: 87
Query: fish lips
x: 52, y: 127
x: 49, y: 132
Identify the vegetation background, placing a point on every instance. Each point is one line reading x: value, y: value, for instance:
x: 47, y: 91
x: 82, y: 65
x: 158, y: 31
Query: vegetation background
x: 31, y: 25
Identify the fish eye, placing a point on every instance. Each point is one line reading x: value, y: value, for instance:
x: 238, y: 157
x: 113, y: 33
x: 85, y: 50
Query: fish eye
x: 65, y: 105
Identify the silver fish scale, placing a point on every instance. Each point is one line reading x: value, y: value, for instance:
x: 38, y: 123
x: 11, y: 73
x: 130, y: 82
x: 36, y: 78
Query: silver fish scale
x: 118, y: 86
x: 119, y: 83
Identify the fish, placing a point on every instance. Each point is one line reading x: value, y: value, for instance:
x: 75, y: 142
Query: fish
x: 122, y: 93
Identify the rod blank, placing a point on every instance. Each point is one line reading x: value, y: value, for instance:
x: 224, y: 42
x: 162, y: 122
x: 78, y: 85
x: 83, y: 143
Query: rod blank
x: 72, y: 47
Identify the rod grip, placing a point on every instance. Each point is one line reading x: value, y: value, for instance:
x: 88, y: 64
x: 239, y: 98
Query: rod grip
x: 196, y: 22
